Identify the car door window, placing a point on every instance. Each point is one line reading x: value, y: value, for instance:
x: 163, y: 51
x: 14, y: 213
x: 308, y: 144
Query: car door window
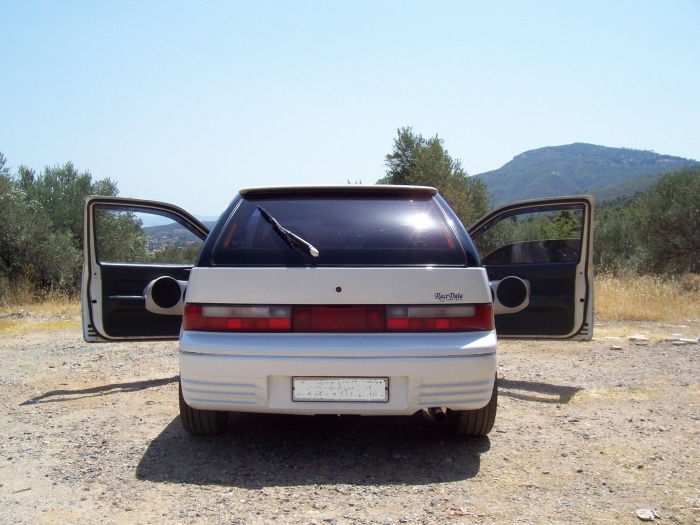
x: 530, y: 236
x: 124, y: 235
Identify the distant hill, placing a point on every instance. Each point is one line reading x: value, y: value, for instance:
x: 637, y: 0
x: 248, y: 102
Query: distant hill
x: 627, y: 187
x: 171, y: 227
x: 171, y: 233
x: 578, y: 169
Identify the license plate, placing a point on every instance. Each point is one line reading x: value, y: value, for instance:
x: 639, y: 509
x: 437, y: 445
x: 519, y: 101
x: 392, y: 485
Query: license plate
x: 340, y: 389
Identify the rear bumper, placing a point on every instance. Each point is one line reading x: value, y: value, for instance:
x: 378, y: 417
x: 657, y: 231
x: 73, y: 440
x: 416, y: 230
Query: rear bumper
x: 236, y: 372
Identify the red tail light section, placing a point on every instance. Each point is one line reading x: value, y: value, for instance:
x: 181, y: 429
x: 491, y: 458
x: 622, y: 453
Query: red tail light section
x: 352, y: 319
x: 338, y: 319
x: 218, y: 318
x: 457, y: 318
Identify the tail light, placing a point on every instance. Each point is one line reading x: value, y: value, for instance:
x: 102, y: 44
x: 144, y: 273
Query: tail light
x: 338, y: 319
x: 210, y: 318
x: 453, y: 318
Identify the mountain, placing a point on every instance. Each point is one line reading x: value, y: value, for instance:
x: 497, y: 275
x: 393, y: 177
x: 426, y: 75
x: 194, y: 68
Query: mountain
x: 576, y: 169
x: 172, y: 233
x: 148, y: 219
x: 627, y: 187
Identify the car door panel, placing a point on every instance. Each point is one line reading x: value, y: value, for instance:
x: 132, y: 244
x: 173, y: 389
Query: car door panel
x: 114, y: 306
x: 124, y: 312
x: 559, y: 271
x: 552, y: 295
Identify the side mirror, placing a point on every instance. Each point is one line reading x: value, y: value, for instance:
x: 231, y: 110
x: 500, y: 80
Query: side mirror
x: 165, y: 296
x: 510, y: 295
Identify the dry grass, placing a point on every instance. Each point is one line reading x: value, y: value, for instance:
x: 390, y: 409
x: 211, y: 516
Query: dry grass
x: 646, y: 298
x: 52, y: 306
x: 12, y: 327
x: 22, y: 295
x: 54, y: 313
x: 49, y: 315
x: 24, y: 309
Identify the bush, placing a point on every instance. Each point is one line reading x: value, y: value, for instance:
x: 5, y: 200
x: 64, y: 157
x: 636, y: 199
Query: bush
x: 29, y: 248
x: 614, y: 246
x: 657, y: 233
x: 666, y: 222
x: 41, y: 228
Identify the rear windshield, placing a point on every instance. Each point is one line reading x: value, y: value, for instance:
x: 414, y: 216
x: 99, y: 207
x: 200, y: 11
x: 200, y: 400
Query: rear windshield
x: 353, y: 230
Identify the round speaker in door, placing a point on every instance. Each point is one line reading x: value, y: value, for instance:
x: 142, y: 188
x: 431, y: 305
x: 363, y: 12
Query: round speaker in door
x: 166, y: 292
x: 511, y: 292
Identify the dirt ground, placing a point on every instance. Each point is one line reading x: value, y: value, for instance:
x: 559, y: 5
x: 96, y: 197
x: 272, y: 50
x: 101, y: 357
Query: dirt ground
x: 585, y: 432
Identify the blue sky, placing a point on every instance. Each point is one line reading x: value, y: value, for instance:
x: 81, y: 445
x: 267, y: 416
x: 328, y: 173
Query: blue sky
x: 189, y: 102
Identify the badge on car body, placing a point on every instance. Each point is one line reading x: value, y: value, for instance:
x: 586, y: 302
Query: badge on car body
x: 452, y: 296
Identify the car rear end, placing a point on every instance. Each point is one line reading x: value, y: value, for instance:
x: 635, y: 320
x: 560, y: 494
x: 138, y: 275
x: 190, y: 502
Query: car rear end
x: 393, y: 316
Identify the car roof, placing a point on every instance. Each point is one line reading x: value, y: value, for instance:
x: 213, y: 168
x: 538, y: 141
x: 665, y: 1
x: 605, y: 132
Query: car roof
x: 348, y: 189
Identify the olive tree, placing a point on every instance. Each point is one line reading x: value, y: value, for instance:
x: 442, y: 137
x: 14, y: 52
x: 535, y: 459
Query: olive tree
x: 60, y: 191
x: 425, y: 162
x: 41, y: 225
x: 666, y: 222
x: 29, y: 247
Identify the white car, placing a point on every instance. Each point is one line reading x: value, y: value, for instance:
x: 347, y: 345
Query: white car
x: 369, y: 300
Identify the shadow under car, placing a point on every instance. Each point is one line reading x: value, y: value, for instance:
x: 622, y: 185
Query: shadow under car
x: 263, y: 450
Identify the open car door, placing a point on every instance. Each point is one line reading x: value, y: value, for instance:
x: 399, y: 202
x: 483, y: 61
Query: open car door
x: 539, y: 258
x: 127, y: 245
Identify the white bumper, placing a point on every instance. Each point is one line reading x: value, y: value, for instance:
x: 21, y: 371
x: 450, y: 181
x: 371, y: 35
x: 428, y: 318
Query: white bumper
x: 253, y: 372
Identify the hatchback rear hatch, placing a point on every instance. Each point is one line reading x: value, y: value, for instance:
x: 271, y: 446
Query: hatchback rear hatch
x: 345, y: 259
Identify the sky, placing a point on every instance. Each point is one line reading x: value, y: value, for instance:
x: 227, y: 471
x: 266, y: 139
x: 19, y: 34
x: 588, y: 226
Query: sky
x: 187, y: 102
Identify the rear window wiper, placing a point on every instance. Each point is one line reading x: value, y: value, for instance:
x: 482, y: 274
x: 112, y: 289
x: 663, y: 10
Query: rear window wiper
x: 290, y: 238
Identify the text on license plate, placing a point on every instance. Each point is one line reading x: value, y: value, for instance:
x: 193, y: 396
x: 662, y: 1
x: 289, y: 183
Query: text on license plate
x: 340, y: 389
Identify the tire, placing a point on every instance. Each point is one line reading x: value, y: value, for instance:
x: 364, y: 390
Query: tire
x: 201, y: 422
x: 474, y: 423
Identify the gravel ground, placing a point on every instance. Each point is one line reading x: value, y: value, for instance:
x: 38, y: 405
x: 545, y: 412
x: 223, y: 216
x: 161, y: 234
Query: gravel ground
x: 585, y: 432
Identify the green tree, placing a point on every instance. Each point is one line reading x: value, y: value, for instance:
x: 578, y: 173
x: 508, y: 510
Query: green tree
x: 4, y: 170
x: 425, y: 162
x: 120, y: 237
x: 60, y: 191
x: 29, y: 247
x: 666, y: 222
x: 525, y: 227
x: 615, y: 246
x: 565, y: 225
x: 41, y: 226
x: 657, y: 231
x: 178, y: 254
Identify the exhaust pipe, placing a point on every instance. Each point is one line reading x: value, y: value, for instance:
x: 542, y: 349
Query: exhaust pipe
x: 438, y: 414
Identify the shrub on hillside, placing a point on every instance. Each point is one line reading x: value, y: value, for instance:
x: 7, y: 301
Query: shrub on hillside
x: 29, y: 247
x: 659, y: 233
x: 41, y: 227
x: 666, y: 220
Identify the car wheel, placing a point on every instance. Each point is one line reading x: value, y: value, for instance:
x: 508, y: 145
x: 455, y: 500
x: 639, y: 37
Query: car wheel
x: 201, y: 422
x: 475, y: 422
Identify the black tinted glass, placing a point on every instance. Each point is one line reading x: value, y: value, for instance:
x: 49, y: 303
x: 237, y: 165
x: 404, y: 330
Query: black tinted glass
x: 350, y: 231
